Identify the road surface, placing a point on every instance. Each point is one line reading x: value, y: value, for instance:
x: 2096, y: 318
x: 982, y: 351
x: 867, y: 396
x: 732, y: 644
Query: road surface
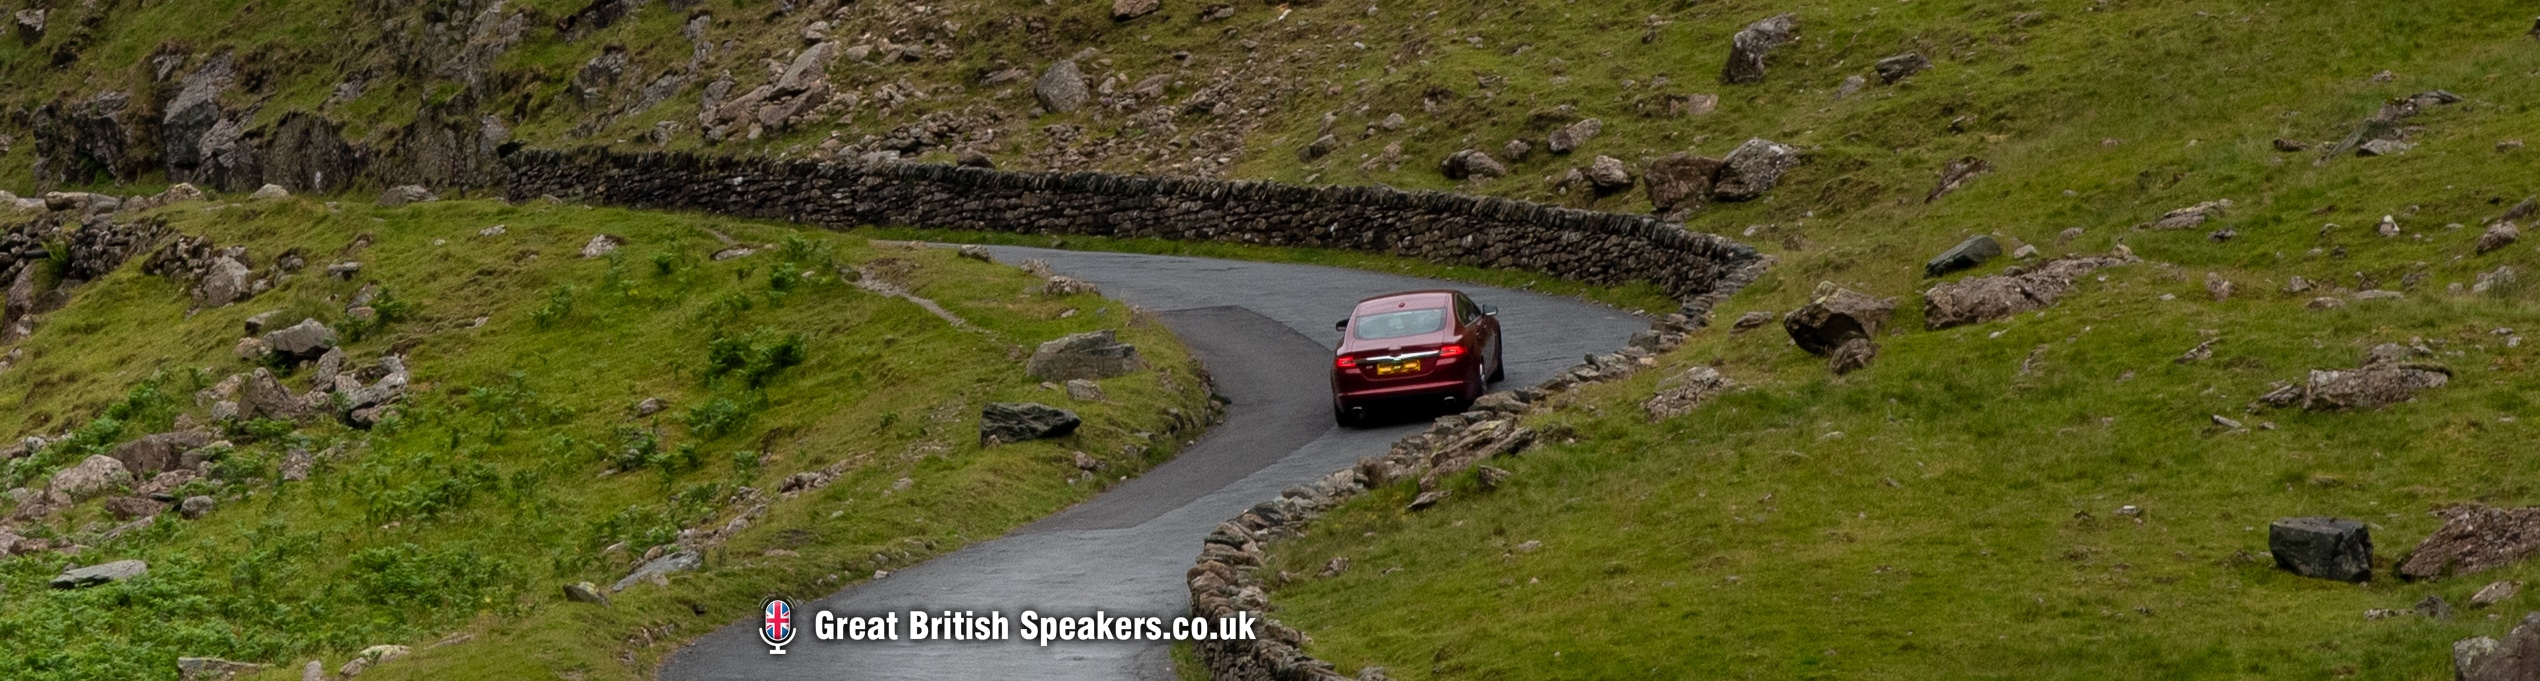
x: 1265, y: 332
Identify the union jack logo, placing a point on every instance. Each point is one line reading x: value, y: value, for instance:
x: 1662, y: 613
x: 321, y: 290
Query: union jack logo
x: 777, y: 628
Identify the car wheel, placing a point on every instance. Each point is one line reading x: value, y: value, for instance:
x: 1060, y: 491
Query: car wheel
x: 1345, y: 417
x: 1498, y: 365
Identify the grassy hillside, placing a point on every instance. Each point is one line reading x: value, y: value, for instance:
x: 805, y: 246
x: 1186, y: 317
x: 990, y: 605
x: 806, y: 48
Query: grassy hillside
x: 1953, y: 511
x: 518, y: 465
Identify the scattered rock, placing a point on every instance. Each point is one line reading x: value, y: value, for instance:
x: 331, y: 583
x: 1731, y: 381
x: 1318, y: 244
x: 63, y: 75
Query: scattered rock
x: 344, y: 270
x: 2202, y: 351
x: 195, y: 507
x: 1679, y: 180
x: 157, y: 452
x: 1852, y: 355
x: 973, y: 158
x: 1608, y: 175
x: 225, y: 282
x: 2189, y: 217
x: 2498, y: 236
x: 1752, y: 169
x: 1956, y: 174
x: 2388, y: 227
x: 93, y: 476
x: 2383, y: 148
x: 1062, y: 285
x: 1966, y: 255
x: 1748, y: 48
x: 2323, y: 548
x: 2494, y: 280
x: 1322, y: 146
x: 1570, y: 137
x: 602, y: 245
x: 2474, y: 538
x: 2217, y: 286
x: 1750, y: 321
x: 212, y: 668
x: 2383, y: 380
x: 1473, y: 164
x: 2325, y: 303
x: 660, y: 569
x: 80, y: 578
x: 650, y: 406
x: 1896, y: 68
x: 1837, y: 317
x: 1061, y: 88
x: 128, y: 508
x: 1982, y: 299
x: 2435, y: 608
x: 1082, y: 390
x: 2494, y: 593
x: 370, y: 657
x: 1008, y: 422
x: 585, y: 592
x: 975, y: 252
x: 1515, y: 150
x: 404, y: 194
x: 2290, y: 146
x: 1680, y: 394
x: 1124, y: 10
x: 1427, y: 499
x: 2025, y: 252
x: 305, y: 341
x: 1089, y: 355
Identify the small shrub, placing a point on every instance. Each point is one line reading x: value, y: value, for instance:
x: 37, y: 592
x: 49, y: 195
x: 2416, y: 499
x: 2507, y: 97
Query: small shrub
x: 407, y: 575
x: 716, y: 418
x: 798, y: 248
x: 783, y: 278
x: 665, y: 264
x: 756, y: 357
x: 559, y: 307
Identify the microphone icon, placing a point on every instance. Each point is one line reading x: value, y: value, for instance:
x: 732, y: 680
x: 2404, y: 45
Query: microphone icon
x: 777, y: 628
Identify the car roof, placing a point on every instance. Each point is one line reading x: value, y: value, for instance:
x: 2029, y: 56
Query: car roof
x: 1421, y: 299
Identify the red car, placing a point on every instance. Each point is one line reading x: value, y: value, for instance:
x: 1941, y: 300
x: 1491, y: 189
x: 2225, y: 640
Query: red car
x: 1433, y: 347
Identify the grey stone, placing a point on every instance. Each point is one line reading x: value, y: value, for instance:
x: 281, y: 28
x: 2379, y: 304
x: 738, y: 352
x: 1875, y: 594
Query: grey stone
x: 269, y: 192
x: 2517, y: 658
x: 370, y: 657
x: 1752, y: 169
x: 2383, y: 147
x: 1320, y: 147
x: 1853, y: 355
x: 1008, y: 422
x: 401, y: 195
x: 1471, y: 163
x: 128, y: 508
x: 224, y: 282
x: 344, y: 270
x: 2189, y: 217
x: 1061, y: 88
x: 2494, y: 593
x: 1966, y: 255
x: 305, y: 341
x: 809, y: 68
x: 660, y: 568
x: 1608, y: 175
x: 212, y: 668
x: 1748, y: 48
x: 1124, y: 10
x: 2498, y: 236
x: 1089, y: 355
x: 1680, y: 394
x: 602, y: 245
x: 585, y: 592
x: 1516, y: 150
x: 195, y: 507
x: 94, y: 475
x: 157, y: 452
x: 1898, y: 67
x: 2494, y: 280
x: 650, y: 406
x: 1570, y: 137
x: 93, y: 575
x: 1082, y: 390
x: 263, y: 396
x: 1680, y: 180
x: 2324, y: 548
x: 2474, y: 538
x: 1837, y: 317
x: 1976, y: 300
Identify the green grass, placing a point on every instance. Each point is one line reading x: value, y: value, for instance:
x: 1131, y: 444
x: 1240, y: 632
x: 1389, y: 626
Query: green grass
x: 517, y: 462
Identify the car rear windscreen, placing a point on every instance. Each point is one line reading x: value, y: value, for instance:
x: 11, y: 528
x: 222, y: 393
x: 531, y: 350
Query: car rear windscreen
x: 1400, y: 324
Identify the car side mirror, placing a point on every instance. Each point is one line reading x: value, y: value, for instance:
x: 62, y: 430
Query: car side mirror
x: 1342, y: 325
x: 1490, y: 310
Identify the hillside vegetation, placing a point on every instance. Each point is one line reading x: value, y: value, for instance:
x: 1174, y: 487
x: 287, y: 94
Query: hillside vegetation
x: 813, y: 433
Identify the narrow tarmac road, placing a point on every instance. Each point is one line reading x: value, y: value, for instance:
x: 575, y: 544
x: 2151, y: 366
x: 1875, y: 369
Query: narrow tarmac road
x: 1265, y: 332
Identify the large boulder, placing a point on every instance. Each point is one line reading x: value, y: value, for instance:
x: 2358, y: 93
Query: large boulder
x: 1089, y: 355
x: 223, y: 283
x: 1752, y: 169
x: 1471, y: 163
x: 76, y: 578
x: 1061, y: 88
x: 2325, y: 548
x: 2498, y: 236
x: 809, y: 68
x: 2189, y: 217
x: 1680, y: 180
x: 2386, y: 377
x: 1836, y: 317
x: 93, y: 476
x: 1898, y: 67
x: 154, y: 453
x: 1004, y: 422
x: 1748, y: 48
x: 1124, y: 10
x: 1982, y: 299
x: 1608, y: 175
x: 305, y: 341
x: 2474, y: 538
x: 2517, y: 658
x: 660, y: 569
x: 261, y: 396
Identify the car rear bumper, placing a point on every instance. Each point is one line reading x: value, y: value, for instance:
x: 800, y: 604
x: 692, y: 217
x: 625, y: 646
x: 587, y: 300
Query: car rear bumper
x: 1432, y: 388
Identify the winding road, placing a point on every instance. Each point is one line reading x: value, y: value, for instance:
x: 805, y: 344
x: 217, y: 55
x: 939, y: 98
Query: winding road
x: 1265, y: 332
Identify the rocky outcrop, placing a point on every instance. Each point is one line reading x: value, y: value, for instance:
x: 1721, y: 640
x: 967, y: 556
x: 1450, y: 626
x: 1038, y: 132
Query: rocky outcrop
x: 94, y: 476
x: 1592, y: 247
x: 1471, y: 163
x: 302, y: 342
x: 2474, y: 538
x: 1748, y: 48
x: 1007, y: 422
x: 153, y: 453
x: 1977, y: 300
x: 2385, y: 377
x: 2517, y: 658
x: 1680, y: 181
x: 102, y: 573
x: 1570, y: 137
x: 1062, y: 87
x: 1680, y: 394
x: 1837, y: 316
x: 1967, y: 254
x: 1899, y: 67
x: 2325, y: 548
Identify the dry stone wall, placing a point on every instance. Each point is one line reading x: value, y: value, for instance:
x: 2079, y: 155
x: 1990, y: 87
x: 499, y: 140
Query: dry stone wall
x: 1587, y: 246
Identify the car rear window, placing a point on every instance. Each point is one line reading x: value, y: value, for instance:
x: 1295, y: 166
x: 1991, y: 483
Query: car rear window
x: 1400, y: 324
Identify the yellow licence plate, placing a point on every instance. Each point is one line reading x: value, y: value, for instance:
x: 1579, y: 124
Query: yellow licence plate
x: 1399, y: 368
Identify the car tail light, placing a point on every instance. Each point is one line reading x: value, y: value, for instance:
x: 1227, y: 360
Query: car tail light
x: 1451, y: 351
x: 1345, y: 362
